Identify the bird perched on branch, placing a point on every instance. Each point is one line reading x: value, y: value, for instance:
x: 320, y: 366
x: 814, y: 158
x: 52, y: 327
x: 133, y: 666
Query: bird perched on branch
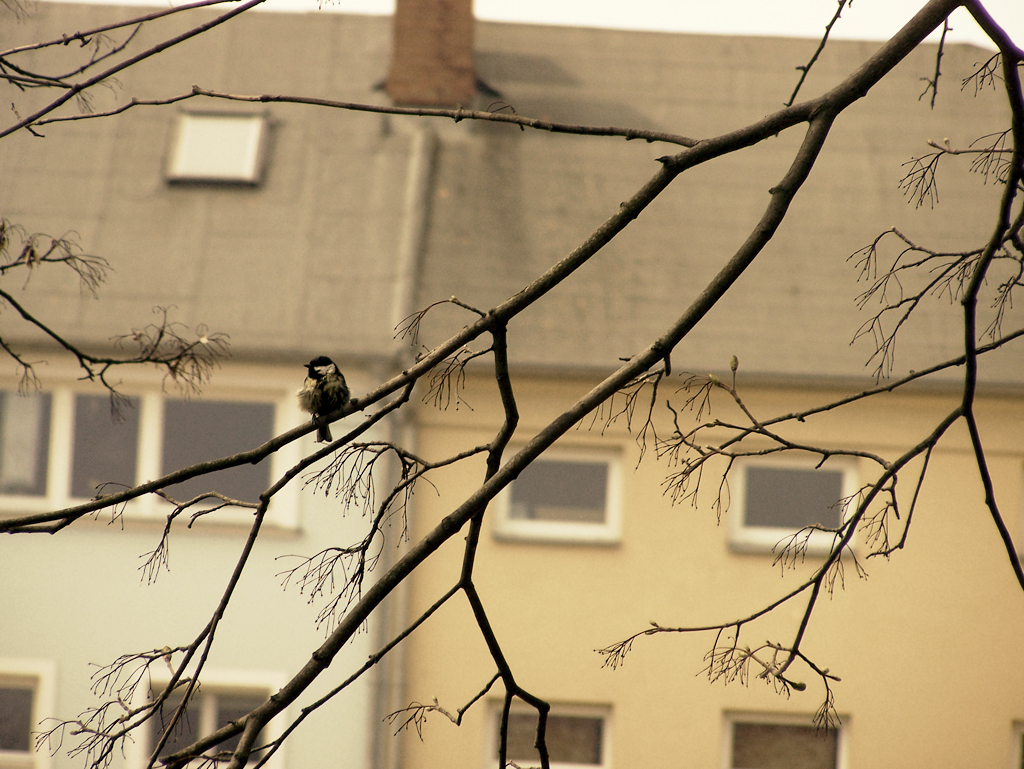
x: 323, y: 393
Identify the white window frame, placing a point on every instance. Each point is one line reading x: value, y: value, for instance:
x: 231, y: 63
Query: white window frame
x: 216, y: 681
x: 604, y: 712
x: 609, y: 532
x: 764, y: 539
x: 779, y: 719
x: 41, y: 675
x: 283, y: 512
x: 237, y: 154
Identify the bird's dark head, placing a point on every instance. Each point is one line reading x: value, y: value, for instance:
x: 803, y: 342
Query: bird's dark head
x: 320, y: 366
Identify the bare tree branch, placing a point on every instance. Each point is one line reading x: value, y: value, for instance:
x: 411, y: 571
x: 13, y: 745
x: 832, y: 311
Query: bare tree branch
x: 456, y: 115
x: 932, y: 83
x: 805, y: 69
x: 77, y: 88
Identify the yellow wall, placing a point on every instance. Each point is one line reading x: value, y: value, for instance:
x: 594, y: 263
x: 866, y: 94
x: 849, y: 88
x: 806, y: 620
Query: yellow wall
x: 928, y: 647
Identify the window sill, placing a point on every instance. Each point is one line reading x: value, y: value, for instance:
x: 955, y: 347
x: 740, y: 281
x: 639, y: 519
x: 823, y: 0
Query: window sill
x: 545, y: 532
x: 770, y: 541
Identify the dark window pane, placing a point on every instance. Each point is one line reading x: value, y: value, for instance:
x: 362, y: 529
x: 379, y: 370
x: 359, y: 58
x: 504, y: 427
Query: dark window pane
x: 570, y: 739
x: 222, y: 708
x: 15, y: 718
x: 777, y: 746
x: 792, y: 498
x: 24, y: 442
x: 185, y: 732
x: 231, y: 707
x: 197, y: 432
x: 561, y: 491
x: 105, y: 445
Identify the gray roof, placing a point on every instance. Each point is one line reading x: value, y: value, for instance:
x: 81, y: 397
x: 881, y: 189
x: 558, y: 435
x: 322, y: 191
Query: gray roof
x: 309, y: 261
x: 300, y: 264
x: 518, y: 201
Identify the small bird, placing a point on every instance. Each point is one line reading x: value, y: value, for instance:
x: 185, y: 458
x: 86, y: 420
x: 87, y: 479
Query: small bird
x: 323, y: 393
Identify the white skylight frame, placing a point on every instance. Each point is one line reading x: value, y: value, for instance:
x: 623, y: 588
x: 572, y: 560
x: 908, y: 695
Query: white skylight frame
x: 217, y: 148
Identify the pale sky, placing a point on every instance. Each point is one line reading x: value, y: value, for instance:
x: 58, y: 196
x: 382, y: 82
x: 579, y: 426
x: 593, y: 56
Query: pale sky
x: 863, y: 19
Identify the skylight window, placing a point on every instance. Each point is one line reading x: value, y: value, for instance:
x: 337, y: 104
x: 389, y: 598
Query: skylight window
x: 217, y: 148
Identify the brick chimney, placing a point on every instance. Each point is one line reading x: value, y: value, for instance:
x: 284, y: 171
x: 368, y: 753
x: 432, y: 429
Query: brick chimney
x: 432, y: 54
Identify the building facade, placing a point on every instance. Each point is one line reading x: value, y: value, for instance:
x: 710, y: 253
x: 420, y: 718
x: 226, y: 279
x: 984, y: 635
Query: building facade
x: 302, y: 231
